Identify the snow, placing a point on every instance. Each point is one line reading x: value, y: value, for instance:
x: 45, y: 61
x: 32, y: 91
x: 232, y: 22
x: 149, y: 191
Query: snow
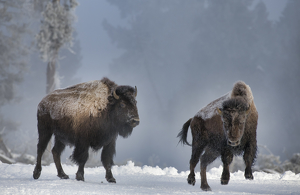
x: 17, y: 179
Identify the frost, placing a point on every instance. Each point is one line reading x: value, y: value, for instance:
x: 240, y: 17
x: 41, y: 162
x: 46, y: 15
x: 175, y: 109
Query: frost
x: 85, y: 99
x: 56, y: 29
x: 210, y: 110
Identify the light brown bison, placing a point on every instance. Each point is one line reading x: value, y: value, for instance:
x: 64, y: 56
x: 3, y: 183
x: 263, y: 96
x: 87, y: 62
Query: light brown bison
x: 90, y: 114
x: 225, y: 127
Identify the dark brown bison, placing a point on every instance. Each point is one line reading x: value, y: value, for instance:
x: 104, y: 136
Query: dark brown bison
x: 90, y: 114
x: 225, y: 127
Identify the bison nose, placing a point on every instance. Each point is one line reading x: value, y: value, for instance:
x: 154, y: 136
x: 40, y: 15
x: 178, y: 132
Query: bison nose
x: 233, y: 143
x: 135, y: 122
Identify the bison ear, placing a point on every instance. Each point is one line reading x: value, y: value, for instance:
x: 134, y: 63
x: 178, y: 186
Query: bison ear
x: 115, y: 95
x: 135, y: 93
x: 220, y: 111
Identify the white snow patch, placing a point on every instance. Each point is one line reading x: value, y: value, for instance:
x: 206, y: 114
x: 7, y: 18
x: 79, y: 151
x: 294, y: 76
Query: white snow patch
x: 289, y: 175
x: 17, y: 179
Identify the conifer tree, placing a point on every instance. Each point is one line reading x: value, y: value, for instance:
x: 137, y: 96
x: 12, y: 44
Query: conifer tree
x: 55, y: 32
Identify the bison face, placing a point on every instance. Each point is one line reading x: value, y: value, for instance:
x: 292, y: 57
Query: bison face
x: 124, y: 110
x: 234, y: 116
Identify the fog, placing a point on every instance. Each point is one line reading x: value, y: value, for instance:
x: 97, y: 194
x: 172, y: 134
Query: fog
x: 181, y: 55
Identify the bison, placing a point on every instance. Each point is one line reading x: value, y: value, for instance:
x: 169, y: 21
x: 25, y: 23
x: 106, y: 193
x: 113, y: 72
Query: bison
x: 86, y: 115
x: 225, y: 127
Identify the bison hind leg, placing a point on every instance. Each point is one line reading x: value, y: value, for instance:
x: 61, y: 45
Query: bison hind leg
x: 44, y: 138
x: 208, y: 157
x: 56, y: 152
x: 37, y: 172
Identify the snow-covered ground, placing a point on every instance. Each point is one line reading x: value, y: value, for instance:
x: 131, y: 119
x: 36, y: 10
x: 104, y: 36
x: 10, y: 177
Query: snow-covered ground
x: 17, y: 179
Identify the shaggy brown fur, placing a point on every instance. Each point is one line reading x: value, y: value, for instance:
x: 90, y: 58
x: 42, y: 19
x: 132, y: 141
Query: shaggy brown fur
x: 86, y: 115
x: 225, y: 127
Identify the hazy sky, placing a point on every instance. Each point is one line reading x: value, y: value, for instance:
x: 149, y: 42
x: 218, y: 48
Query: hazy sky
x: 97, y: 48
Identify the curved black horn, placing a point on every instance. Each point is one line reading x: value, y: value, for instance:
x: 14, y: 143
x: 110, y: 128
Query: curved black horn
x: 115, y: 95
x: 135, y: 94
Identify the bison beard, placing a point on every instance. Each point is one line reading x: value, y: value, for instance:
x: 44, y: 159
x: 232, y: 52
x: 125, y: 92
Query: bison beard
x: 86, y: 115
x: 225, y: 127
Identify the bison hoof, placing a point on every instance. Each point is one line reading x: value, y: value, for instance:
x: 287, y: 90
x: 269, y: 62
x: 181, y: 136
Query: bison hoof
x: 205, y: 187
x: 63, y: 176
x: 36, y: 173
x: 249, y: 176
x: 224, y: 182
x: 79, y: 177
x: 191, y: 180
x: 111, y: 180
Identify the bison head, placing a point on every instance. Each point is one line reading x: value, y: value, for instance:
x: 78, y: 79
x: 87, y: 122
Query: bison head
x: 234, y: 114
x: 124, y: 111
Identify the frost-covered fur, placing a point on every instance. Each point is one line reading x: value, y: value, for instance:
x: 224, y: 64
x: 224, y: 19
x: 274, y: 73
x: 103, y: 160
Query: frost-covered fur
x: 78, y: 102
x: 211, y: 109
x: 240, y: 90
x: 225, y: 127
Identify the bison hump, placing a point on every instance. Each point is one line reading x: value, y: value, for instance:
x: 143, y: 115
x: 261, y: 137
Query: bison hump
x: 242, y: 90
x: 82, y: 100
x: 211, y: 109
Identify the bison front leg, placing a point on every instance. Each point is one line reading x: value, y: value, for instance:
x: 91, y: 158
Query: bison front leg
x: 80, y: 156
x: 249, y: 156
x: 107, y: 160
x: 227, y: 158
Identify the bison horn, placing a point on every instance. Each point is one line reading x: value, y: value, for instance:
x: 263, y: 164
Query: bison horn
x: 115, y: 95
x: 135, y: 93
x: 219, y: 111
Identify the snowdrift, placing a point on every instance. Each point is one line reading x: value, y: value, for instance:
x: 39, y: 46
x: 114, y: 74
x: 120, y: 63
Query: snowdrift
x: 17, y: 179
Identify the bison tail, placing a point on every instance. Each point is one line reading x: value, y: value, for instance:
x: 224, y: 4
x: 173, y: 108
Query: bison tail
x: 183, y: 133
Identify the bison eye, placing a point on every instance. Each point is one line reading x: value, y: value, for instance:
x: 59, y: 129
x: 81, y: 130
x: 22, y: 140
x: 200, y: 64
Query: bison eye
x: 122, y: 105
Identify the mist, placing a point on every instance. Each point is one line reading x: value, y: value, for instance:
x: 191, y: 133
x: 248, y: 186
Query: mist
x: 181, y: 55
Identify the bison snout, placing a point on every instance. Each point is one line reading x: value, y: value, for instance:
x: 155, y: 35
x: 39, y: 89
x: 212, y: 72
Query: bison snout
x: 233, y: 143
x: 134, y: 122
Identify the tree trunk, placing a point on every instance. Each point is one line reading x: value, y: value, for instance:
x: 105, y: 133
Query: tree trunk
x: 4, y: 148
x: 50, y: 86
x: 50, y: 77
